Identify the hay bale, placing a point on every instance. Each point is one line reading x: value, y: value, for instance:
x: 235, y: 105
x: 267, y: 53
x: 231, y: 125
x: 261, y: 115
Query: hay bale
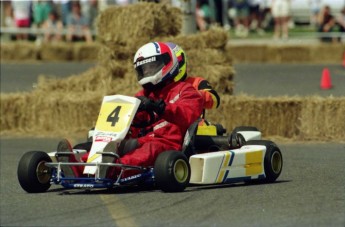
x: 298, y: 118
x: 320, y: 53
x: 19, y: 50
x: 248, y: 53
x: 138, y: 23
x: 323, y: 119
x: 293, y: 54
x: 276, y: 116
x: 86, y: 51
x: 47, y: 114
x: 207, y: 56
x: 97, y: 79
x: 327, y: 53
x: 214, y: 38
x: 59, y: 51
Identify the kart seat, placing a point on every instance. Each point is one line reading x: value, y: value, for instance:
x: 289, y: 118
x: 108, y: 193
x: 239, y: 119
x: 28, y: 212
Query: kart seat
x: 195, y: 143
x: 210, y: 143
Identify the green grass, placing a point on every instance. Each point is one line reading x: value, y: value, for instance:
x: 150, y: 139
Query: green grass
x: 298, y: 31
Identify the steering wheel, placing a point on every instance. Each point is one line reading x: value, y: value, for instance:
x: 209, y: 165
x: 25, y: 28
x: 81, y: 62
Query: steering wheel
x: 149, y: 122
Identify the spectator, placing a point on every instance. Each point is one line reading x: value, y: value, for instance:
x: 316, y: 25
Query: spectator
x: 89, y: 9
x: 53, y: 27
x: 281, y: 13
x: 341, y: 22
x: 78, y: 25
x: 315, y: 6
x: 255, y: 16
x: 265, y: 14
x: 9, y: 20
x: 21, y: 14
x: 41, y: 10
x: 64, y: 9
x: 241, y: 17
x: 326, y: 24
x: 204, y: 15
x: 225, y: 15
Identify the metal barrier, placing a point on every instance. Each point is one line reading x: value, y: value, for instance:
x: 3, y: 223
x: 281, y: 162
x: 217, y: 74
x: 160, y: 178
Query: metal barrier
x: 64, y: 31
x: 38, y: 31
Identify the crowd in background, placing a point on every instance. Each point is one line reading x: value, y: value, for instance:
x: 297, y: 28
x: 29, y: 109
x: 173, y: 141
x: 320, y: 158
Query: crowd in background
x: 245, y: 16
x: 75, y: 20
x: 58, y: 19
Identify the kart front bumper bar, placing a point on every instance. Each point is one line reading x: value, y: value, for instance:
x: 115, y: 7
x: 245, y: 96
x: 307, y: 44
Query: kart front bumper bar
x: 123, y: 167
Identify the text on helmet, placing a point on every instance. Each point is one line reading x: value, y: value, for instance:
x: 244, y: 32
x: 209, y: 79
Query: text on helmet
x: 147, y: 60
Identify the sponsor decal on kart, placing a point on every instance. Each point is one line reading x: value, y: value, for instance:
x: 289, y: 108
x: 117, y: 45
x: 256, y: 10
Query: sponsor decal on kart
x: 131, y: 177
x: 103, y: 139
x: 83, y: 185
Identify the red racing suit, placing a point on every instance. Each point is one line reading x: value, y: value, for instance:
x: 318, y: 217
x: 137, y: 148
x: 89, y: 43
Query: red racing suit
x: 184, y: 105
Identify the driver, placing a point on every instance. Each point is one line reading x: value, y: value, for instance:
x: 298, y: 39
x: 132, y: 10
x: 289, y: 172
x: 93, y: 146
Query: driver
x: 177, y: 104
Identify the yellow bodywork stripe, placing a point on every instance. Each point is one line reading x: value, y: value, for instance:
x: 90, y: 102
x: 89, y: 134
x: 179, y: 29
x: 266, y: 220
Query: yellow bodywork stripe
x: 90, y: 159
x: 253, y: 163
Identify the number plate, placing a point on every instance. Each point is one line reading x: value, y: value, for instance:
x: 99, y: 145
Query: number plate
x: 114, y: 117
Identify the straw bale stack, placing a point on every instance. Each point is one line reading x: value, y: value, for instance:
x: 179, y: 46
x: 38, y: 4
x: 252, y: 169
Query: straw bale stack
x: 48, y: 114
x: 86, y: 51
x: 292, y: 53
x: 327, y: 53
x: 323, y: 119
x: 97, y: 79
x: 277, y: 116
x: 312, y: 118
x: 18, y: 51
x: 299, y: 118
x: 137, y: 24
x: 62, y: 51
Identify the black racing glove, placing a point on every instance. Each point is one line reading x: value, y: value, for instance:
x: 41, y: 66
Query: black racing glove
x: 148, y: 104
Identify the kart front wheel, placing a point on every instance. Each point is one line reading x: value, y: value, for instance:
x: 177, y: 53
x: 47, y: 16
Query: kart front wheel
x: 33, y: 175
x: 273, y: 161
x: 172, y: 171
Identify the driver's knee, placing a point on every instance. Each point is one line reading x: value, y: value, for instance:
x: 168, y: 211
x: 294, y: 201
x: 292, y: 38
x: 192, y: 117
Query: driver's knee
x: 127, y: 146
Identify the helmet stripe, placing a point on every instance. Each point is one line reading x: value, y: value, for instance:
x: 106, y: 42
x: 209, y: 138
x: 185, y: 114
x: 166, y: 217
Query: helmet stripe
x: 157, y: 47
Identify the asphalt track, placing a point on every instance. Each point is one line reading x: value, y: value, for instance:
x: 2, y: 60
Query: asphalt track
x: 310, y: 191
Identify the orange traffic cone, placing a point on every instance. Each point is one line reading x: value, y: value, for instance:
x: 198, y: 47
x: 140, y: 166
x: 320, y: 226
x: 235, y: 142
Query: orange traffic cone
x: 326, y: 81
x: 344, y: 59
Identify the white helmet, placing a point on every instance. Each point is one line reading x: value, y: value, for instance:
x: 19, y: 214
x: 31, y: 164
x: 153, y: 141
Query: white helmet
x: 156, y: 65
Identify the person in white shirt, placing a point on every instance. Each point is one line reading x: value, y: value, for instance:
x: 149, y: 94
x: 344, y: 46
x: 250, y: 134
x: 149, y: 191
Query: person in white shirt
x: 281, y: 14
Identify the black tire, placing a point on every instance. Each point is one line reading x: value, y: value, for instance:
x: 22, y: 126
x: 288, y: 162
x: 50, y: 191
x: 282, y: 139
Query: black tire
x: 172, y: 171
x: 273, y: 162
x: 245, y: 128
x: 33, y: 175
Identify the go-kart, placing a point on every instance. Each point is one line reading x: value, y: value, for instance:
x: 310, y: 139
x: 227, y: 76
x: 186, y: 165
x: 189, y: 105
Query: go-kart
x: 208, y: 156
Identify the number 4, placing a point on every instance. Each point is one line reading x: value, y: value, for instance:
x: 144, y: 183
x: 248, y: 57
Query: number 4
x: 113, y: 117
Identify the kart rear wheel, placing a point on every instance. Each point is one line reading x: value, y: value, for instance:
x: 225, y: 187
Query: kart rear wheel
x: 172, y: 171
x: 33, y: 175
x: 273, y: 161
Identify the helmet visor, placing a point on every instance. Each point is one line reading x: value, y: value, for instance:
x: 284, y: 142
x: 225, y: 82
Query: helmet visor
x: 148, y: 69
